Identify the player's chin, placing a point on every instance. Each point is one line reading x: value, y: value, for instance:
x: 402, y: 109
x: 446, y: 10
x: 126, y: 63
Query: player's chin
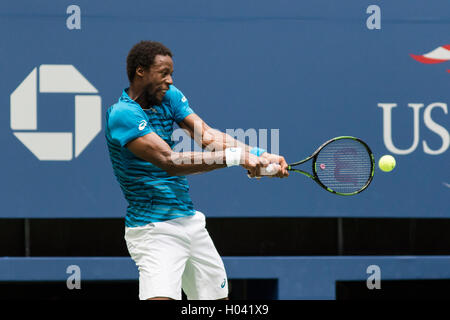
x: 160, y: 96
x: 157, y: 98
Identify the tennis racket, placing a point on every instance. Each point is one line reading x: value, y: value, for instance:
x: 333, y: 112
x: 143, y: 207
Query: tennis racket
x: 342, y: 165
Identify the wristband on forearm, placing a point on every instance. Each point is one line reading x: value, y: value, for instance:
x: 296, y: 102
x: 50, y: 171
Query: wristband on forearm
x: 233, y: 156
x: 257, y: 151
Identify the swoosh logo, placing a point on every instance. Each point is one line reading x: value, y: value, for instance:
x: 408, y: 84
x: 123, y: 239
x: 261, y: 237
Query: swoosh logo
x: 223, y: 283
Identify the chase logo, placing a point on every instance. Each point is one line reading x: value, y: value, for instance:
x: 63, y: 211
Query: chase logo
x: 142, y: 125
x: 55, y: 146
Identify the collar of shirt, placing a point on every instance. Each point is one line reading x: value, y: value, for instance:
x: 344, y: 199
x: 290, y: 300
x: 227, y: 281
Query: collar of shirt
x: 126, y: 98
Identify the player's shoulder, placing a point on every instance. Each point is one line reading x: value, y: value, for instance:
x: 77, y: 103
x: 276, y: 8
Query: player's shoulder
x: 123, y: 112
x: 121, y: 108
x: 174, y: 95
x: 173, y: 90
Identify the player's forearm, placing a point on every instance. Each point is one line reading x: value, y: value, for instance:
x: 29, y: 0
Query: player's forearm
x: 216, y: 140
x: 184, y: 163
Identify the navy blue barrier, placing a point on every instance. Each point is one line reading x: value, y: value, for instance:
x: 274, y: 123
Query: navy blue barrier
x: 310, y: 69
x: 298, y: 277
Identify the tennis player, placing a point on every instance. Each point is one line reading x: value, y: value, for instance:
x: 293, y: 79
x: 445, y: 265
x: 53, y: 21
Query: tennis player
x: 165, y: 235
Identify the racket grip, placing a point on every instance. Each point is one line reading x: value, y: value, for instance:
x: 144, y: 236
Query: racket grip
x: 270, y: 170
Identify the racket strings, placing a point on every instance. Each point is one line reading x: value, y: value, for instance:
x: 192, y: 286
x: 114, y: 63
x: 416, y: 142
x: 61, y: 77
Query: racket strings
x: 344, y: 166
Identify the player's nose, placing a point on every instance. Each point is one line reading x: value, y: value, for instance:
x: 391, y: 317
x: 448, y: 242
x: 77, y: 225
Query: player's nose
x: 169, y: 80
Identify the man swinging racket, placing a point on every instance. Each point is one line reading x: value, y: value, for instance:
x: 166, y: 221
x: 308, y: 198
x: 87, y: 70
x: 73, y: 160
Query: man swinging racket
x: 165, y: 235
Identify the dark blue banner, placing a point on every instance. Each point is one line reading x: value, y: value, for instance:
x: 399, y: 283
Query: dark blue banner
x: 295, y: 72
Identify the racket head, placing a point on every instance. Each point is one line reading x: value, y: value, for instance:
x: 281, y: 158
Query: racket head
x: 343, y: 165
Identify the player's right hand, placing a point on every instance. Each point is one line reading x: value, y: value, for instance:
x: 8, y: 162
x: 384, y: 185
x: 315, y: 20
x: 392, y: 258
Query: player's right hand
x: 253, y: 164
x: 279, y: 165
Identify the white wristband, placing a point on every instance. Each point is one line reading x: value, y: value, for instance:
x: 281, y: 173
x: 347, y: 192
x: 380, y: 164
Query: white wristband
x: 233, y: 156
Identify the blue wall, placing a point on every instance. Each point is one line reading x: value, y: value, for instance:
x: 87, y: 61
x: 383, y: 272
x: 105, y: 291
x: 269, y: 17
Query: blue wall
x: 311, y: 69
x: 298, y: 277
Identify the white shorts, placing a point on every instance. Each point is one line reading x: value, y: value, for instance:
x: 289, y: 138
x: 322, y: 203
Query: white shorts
x: 177, y: 254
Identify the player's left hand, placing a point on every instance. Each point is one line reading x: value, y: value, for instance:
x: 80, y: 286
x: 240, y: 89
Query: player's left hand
x: 274, y: 158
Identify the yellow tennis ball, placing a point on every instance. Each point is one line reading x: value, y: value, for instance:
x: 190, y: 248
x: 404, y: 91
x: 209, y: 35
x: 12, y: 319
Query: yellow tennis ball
x: 386, y: 163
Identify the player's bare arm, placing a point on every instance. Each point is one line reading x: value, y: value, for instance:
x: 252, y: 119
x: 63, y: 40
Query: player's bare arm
x: 212, y: 139
x: 153, y: 149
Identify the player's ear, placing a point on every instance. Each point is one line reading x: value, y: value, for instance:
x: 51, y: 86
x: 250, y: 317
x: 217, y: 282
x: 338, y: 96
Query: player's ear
x: 140, y: 71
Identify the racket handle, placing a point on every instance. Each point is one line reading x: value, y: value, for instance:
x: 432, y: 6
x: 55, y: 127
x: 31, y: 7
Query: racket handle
x: 270, y: 170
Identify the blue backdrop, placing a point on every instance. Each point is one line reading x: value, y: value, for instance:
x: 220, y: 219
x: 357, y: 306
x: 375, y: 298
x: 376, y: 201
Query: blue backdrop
x: 311, y: 69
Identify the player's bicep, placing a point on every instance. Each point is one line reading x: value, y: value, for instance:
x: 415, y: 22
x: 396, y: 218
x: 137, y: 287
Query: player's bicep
x: 151, y: 148
x: 194, y: 125
x: 199, y: 130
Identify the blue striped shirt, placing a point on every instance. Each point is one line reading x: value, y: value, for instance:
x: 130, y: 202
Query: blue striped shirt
x: 152, y: 194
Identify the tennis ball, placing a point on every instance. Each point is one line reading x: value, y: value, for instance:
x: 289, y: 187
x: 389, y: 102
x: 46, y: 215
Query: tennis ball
x: 386, y: 163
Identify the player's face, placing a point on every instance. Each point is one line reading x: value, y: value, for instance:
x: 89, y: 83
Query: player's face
x: 158, y: 78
